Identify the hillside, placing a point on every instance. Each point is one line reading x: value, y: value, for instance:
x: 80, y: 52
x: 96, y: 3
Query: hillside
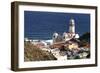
x: 85, y: 39
x: 33, y: 53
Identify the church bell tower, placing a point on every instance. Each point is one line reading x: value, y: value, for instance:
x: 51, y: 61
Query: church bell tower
x: 72, y: 26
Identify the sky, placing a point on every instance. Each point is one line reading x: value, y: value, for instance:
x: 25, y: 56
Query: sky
x: 41, y: 25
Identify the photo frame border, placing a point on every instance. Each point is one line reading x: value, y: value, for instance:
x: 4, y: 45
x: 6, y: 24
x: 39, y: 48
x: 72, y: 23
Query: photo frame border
x: 15, y: 34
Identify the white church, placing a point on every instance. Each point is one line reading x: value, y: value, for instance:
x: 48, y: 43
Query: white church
x: 67, y: 35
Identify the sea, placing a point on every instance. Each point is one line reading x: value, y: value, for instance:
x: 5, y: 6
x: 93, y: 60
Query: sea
x: 41, y: 25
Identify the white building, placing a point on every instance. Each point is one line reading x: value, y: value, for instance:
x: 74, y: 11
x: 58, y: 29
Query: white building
x: 72, y: 26
x: 70, y: 34
x: 55, y: 35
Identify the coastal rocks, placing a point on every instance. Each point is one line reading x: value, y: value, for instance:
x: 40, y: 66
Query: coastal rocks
x: 33, y: 53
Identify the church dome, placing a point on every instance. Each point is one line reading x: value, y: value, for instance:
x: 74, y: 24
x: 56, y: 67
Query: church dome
x: 65, y: 34
x: 77, y: 36
x: 55, y: 35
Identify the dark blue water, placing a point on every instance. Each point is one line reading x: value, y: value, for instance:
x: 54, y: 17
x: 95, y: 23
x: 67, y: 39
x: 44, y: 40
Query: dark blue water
x: 41, y: 25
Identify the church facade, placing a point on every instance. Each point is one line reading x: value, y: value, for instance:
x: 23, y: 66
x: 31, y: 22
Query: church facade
x: 66, y: 35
